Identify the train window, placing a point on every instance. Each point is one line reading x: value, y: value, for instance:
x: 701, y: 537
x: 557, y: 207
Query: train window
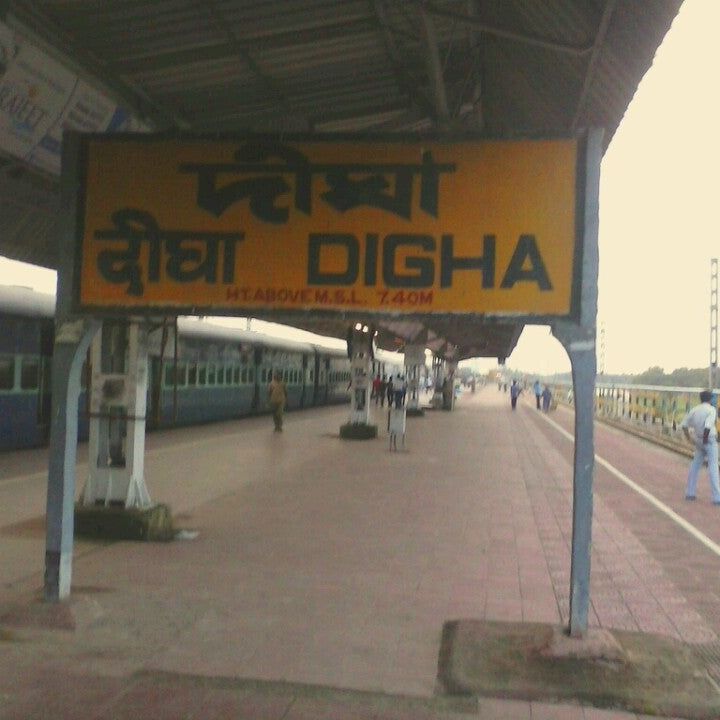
x: 7, y: 373
x: 192, y: 374
x: 244, y: 375
x: 30, y: 374
x: 312, y: 373
x: 251, y: 375
x: 263, y: 375
x: 236, y: 375
x: 202, y: 374
x: 182, y: 374
x: 211, y: 374
x: 170, y: 375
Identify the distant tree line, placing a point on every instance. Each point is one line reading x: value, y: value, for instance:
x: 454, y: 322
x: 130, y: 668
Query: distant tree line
x: 681, y: 377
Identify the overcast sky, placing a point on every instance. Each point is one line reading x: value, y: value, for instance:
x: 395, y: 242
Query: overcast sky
x: 658, y: 216
x: 659, y: 200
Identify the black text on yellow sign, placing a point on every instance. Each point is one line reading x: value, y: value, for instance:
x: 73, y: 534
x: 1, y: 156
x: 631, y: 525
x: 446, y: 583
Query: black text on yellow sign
x: 456, y: 227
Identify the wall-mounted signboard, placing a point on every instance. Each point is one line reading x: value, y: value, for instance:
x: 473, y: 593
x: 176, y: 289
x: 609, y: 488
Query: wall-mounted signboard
x: 236, y: 226
x: 40, y: 98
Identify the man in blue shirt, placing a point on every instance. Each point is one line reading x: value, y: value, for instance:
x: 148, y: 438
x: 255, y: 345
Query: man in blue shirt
x: 538, y: 392
x: 515, y: 391
x: 701, y: 420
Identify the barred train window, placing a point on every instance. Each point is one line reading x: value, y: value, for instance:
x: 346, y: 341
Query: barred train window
x: 7, y: 373
x: 30, y: 374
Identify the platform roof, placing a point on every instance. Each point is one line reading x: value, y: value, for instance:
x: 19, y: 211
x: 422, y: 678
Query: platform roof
x: 497, y: 68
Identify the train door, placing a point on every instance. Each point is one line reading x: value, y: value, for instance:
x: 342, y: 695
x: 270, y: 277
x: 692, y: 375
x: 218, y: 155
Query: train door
x: 44, y: 402
x: 324, y: 380
x: 258, y: 358
x: 304, y: 399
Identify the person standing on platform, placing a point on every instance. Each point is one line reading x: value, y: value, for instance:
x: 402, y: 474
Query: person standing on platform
x: 390, y: 390
x: 515, y: 391
x: 376, y: 388
x: 546, y: 399
x: 399, y: 390
x: 383, y: 390
x: 701, y: 420
x: 277, y: 393
x: 537, y: 389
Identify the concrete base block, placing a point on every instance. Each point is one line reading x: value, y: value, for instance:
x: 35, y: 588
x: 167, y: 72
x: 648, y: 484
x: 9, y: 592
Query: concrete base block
x: 118, y: 523
x: 358, y: 431
x: 415, y: 412
x: 637, y: 672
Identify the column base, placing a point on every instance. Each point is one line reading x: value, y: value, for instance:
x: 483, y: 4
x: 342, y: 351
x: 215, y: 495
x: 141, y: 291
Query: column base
x: 120, y: 523
x: 358, y: 431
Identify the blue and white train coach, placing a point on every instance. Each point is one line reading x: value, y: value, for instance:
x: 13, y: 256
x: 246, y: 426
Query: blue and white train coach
x: 216, y: 372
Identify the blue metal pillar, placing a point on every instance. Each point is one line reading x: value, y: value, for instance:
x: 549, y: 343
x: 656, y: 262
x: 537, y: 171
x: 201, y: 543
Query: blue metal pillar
x: 578, y: 338
x: 71, y: 344
x: 72, y: 339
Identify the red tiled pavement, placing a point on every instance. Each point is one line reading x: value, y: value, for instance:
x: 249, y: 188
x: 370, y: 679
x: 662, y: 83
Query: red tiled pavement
x: 335, y: 564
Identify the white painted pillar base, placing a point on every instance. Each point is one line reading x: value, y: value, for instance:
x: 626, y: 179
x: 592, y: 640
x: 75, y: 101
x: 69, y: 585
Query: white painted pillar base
x: 414, y: 363
x: 438, y: 370
x: 116, y: 449
x: 361, y: 375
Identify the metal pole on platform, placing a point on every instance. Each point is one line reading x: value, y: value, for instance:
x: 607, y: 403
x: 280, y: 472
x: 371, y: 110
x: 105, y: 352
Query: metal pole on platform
x: 713, y: 321
x: 579, y: 340
x: 72, y: 339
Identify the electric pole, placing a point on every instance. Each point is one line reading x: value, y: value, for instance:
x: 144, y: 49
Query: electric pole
x: 713, y: 321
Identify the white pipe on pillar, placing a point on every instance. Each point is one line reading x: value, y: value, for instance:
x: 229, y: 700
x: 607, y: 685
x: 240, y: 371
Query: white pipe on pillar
x: 438, y: 370
x: 117, y: 424
x: 361, y: 371
x: 414, y: 362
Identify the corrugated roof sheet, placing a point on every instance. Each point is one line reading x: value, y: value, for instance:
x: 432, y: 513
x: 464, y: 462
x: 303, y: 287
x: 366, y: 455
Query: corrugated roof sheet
x: 514, y: 68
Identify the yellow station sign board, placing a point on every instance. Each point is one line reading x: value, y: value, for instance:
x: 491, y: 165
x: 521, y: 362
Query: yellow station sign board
x: 232, y: 227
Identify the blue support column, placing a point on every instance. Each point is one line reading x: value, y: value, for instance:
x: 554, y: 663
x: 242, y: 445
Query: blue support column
x: 72, y: 339
x: 578, y: 338
x: 580, y: 346
x: 71, y: 343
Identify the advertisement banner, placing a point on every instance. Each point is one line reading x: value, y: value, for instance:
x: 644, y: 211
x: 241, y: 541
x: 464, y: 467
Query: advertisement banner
x: 233, y: 227
x: 40, y: 98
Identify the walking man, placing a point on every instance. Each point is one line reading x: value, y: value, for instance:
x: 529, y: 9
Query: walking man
x: 701, y: 420
x: 277, y: 394
x: 538, y: 393
x: 515, y: 391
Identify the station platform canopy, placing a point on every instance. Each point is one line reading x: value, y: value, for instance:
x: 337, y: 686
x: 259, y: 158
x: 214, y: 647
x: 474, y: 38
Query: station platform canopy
x: 508, y: 69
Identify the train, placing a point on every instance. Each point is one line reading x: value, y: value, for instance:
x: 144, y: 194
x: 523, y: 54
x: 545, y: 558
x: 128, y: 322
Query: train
x: 212, y: 373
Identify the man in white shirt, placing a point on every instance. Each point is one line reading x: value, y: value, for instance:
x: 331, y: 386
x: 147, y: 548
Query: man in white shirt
x: 701, y: 420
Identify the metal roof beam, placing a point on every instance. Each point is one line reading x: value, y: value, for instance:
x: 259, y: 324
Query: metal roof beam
x: 407, y: 82
x: 25, y: 16
x: 210, y: 53
x: 437, y: 83
x: 239, y: 49
x: 431, y: 9
x: 594, y: 58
